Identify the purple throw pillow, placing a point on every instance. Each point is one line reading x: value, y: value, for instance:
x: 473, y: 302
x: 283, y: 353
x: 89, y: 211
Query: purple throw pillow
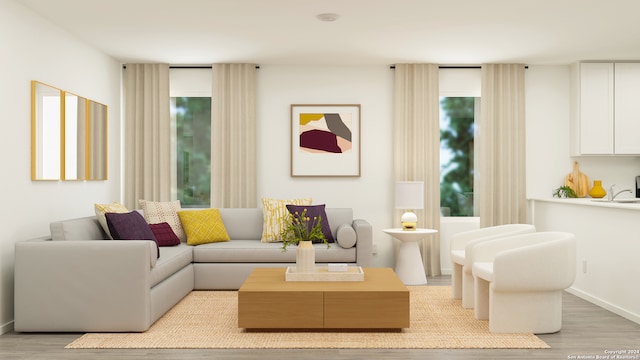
x: 130, y: 226
x: 164, y: 234
x: 314, y: 211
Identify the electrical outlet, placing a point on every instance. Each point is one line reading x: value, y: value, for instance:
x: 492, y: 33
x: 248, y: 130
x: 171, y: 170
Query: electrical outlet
x: 375, y: 249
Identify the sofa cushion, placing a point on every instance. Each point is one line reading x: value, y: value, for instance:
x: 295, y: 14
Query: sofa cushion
x: 243, y: 223
x: 339, y: 216
x: 346, y: 236
x: 164, y: 234
x: 253, y: 251
x: 164, y: 211
x: 171, y: 260
x: 313, y: 212
x: 101, y: 209
x: 84, y: 228
x: 130, y: 226
x: 275, y: 217
x: 203, y: 226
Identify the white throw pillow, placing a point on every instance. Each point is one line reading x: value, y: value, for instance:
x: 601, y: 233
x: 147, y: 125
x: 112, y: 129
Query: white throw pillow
x: 156, y: 212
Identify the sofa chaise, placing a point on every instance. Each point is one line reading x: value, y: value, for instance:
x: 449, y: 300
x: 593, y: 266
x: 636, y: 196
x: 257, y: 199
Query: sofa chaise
x: 78, y: 281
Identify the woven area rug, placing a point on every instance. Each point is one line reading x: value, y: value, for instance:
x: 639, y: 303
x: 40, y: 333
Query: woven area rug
x: 208, y: 320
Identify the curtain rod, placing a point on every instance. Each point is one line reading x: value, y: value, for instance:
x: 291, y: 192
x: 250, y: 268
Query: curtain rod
x: 124, y: 66
x: 196, y: 67
x: 457, y: 67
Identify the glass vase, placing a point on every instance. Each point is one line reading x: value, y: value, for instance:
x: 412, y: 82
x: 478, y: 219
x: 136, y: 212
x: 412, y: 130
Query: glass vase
x: 597, y: 191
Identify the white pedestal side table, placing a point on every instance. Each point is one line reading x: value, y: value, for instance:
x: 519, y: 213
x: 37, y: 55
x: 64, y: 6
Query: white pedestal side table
x: 409, y: 265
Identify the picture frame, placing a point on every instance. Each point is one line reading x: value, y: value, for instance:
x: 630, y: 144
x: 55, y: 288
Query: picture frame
x: 325, y: 140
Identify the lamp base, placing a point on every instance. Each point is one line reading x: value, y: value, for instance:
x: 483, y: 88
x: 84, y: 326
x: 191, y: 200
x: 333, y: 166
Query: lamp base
x: 409, y: 221
x: 409, y: 226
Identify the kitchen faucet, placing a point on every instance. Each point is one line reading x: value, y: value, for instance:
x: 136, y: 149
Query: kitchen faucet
x: 613, y: 196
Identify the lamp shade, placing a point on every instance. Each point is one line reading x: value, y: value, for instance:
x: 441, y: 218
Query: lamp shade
x: 409, y: 195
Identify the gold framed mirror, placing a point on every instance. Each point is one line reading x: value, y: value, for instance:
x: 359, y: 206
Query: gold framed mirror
x: 97, y: 140
x: 46, y: 132
x: 68, y: 135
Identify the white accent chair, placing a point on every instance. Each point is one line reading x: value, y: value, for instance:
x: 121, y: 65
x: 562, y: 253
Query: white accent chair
x: 519, y: 281
x: 462, y: 252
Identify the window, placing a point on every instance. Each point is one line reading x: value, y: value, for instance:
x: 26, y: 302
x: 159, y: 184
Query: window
x: 191, y: 121
x: 457, y: 155
x: 459, y: 109
x: 193, y: 149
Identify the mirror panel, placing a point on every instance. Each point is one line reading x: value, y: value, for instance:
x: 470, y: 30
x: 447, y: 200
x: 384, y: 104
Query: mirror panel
x: 46, y: 105
x: 97, y: 146
x: 68, y: 135
x: 75, y: 128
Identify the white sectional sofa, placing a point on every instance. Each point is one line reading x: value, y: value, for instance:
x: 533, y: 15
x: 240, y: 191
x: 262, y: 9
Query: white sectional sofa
x: 78, y: 281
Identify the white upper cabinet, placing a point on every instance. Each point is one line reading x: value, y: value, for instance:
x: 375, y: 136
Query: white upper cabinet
x: 606, y: 105
x: 627, y: 109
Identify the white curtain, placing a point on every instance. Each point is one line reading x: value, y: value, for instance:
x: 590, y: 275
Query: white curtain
x: 233, y: 136
x: 147, y: 161
x: 417, y: 148
x: 501, y: 136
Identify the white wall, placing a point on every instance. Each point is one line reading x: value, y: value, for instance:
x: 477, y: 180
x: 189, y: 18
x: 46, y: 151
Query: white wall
x: 370, y: 195
x: 34, y: 49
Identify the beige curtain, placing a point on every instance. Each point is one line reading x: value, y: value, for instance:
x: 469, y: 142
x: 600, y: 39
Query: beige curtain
x: 417, y: 148
x: 233, y: 136
x: 147, y: 162
x: 501, y: 137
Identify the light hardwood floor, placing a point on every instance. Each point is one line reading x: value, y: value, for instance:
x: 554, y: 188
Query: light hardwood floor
x: 587, y: 331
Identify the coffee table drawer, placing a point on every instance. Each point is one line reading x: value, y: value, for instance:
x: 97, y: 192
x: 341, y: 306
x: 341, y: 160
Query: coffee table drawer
x: 368, y: 310
x: 280, y: 309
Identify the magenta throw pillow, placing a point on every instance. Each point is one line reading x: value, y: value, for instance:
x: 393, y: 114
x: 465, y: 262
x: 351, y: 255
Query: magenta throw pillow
x: 164, y: 234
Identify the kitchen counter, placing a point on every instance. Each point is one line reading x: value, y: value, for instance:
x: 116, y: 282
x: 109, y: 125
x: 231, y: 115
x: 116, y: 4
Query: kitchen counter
x: 590, y: 202
x: 608, y: 236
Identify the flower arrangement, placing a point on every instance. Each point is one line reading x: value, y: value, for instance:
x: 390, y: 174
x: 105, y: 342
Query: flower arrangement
x: 301, y: 227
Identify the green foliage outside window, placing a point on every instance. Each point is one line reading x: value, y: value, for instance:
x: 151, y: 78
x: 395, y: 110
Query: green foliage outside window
x: 193, y: 134
x: 456, y: 141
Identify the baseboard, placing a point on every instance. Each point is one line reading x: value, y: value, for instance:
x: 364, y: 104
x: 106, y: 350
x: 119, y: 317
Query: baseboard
x: 605, y: 305
x: 6, y: 327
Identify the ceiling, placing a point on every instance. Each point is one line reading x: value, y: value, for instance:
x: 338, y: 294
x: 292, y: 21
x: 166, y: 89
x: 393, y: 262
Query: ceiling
x: 451, y: 32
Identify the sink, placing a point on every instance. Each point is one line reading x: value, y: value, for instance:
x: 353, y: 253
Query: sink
x: 627, y: 201
x: 619, y: 201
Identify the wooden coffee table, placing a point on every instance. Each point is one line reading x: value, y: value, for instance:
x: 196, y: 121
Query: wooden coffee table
x: 267, y: 301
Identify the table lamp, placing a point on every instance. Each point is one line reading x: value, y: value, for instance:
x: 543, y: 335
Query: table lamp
x: 409, y: 196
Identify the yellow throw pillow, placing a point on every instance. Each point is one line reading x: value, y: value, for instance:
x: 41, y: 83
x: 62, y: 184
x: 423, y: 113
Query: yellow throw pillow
x: 101, y: 209
x: 275, y: 215
x: 203, y: 226
x: 156, y: 212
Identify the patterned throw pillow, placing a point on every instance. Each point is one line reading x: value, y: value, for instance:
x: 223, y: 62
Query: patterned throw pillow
x: 130, y: 226
x: 164, y: 234
x: 314, y: 211
x: 275, y: 216
x: 203, y: 226
x: 101, y: 209
x: 156, y: 212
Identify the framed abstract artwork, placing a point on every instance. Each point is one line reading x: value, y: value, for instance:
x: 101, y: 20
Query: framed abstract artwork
x: 325, y: 140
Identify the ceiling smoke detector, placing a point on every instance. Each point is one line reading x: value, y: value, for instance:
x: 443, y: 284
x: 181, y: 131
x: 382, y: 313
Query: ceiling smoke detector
x: 327, y: 17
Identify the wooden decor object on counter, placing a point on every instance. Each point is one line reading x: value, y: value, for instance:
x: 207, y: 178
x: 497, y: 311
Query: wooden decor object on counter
x: 578, y: 181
